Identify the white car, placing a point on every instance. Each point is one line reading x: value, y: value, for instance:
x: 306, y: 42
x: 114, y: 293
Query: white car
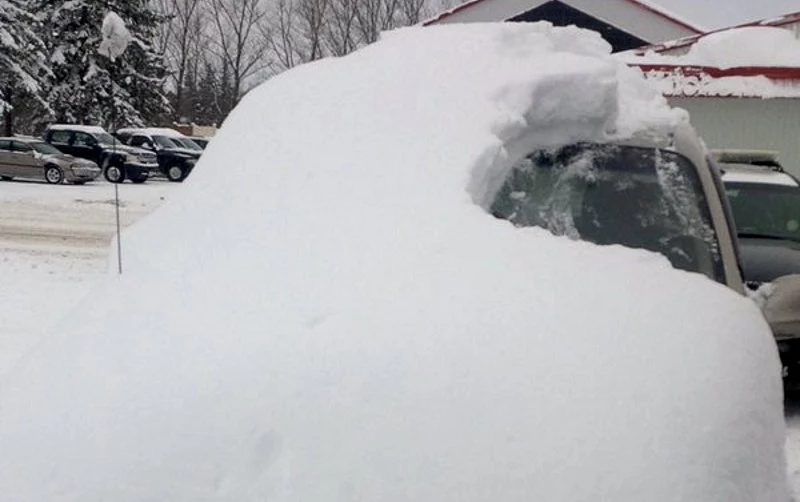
x: 765, y: 200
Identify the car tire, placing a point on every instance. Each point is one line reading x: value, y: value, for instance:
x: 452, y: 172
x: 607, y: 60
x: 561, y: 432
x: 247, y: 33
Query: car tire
x: 79, y: 182
x: 114, y: 173
x: 174, y: 172
x: 6, y: 178
x: 53, y: 175
x: 138, y: 180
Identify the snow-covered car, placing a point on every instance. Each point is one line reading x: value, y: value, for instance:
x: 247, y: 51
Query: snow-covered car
x: 201, y: 141
x: 32, y: 158
x: 765, y: 200
x: 177, y: 155
x: 383, y: 334
x: 118, y: 162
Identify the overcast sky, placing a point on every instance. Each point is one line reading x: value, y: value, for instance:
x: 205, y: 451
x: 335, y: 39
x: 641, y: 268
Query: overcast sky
x: 721, y: 13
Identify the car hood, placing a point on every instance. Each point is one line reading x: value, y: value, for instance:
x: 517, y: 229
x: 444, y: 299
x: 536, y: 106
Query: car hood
x: 119, y: 147
x: 764, y: 260
x: 184, y: 152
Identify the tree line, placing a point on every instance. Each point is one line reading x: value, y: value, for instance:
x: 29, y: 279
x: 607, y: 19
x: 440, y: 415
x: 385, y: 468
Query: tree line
x: 189, y: 60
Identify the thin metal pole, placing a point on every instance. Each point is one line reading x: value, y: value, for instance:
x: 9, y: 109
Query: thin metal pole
x: 110, y: 157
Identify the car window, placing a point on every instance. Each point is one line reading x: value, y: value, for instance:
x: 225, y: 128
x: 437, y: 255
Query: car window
x: 139, y: 140
x: 19, y: 146
x: 45, y: 148
x: 166, y: 142
x: 765, y: 210
x: 83, y: 139
x: 5, y: 145
x: 607, y: 194
x: 60, y: 137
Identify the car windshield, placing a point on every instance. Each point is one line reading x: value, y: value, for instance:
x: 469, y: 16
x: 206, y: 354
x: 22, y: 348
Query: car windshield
x: 105, y: 138
x: 187, y: 143
x: 765, y: 210
x: 606, y: 194
x: 45, y: 148
x: 165, y: 142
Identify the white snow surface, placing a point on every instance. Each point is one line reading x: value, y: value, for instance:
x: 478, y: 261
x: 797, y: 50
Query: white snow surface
x: 154, y: 131
x: 345, y: 321
x: 758, y: 46
x: 116, y: 36
x: 85, y: 128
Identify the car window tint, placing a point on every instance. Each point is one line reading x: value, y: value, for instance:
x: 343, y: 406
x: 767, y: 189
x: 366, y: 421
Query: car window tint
x: 19, y: 146
x: 5, y: 145
x: 83, y: 139
x: 607, y: 194
x: 60, y: 137
x: 765, y: 210
x: 138, y: 140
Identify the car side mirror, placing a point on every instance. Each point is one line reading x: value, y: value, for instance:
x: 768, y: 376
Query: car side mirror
x: 782, y: 306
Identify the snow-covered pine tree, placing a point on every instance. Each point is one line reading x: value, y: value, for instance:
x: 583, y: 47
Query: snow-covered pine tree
x: 81, y: 91
x: 24, y: 71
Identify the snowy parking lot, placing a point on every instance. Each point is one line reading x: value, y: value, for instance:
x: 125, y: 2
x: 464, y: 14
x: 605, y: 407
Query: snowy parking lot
x: 55, y: 248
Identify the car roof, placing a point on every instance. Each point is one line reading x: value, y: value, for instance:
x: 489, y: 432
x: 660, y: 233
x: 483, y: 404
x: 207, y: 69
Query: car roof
x: 746, y: 156
x: 81, y: 128
x: 22, y: 139
x: 748, y: 173
x: 152, y: 131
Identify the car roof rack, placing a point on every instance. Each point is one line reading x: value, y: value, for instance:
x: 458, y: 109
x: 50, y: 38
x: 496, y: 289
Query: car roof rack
x: 761, y: 158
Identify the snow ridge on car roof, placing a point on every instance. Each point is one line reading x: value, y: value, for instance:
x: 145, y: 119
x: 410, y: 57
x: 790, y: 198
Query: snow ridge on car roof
x: 152, y: 131
x: 82, y: 128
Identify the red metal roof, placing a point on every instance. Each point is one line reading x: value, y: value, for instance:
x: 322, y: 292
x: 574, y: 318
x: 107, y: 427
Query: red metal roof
x: 686, y: 41
x: 638, y: 3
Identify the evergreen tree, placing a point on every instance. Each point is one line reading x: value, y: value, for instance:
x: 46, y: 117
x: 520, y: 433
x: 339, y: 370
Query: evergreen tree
x: 24, y: 71
x: 82, y: 78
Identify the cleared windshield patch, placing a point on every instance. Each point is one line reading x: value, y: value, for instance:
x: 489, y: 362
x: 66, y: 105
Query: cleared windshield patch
x: 643, y: 198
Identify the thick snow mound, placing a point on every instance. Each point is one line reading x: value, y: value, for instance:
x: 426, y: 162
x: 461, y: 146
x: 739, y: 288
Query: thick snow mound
x: 328, y: 313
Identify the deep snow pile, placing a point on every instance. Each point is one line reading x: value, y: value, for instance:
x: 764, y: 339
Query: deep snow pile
x: 326, y: 312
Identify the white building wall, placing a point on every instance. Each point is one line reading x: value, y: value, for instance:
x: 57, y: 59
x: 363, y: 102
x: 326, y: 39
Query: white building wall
x: 766, y: 124
x: 625, y: 15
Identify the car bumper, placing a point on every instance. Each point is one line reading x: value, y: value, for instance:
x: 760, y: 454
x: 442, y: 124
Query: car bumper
x: 136, y: 170
x: 82, y: 173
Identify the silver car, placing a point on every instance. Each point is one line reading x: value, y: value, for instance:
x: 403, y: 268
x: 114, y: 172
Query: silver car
x: 32, y: 158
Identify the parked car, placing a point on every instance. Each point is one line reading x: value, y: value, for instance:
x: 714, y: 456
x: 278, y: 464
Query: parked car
x: 765, y: 200
x: 32, y: 158
x: 118, y: 162
x: 200, y: 141
x: 669, y: 199
x: 176, y: 156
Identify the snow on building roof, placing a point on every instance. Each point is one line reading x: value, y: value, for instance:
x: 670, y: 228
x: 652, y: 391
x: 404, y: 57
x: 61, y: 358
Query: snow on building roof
x: 786, y: 21
x: 641, y: 18
x: 750, y: 61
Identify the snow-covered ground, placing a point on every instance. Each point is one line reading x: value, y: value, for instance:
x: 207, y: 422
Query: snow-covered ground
x: 54, y: 247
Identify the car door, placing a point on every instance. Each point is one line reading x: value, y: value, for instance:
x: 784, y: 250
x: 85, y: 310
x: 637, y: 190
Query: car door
x: 61, y: 140
x: 27, y: 165
x: 7, y: 168
x: 84, y: 145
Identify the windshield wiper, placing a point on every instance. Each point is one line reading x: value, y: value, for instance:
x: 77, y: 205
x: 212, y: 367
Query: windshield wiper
x: 749, y: 235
